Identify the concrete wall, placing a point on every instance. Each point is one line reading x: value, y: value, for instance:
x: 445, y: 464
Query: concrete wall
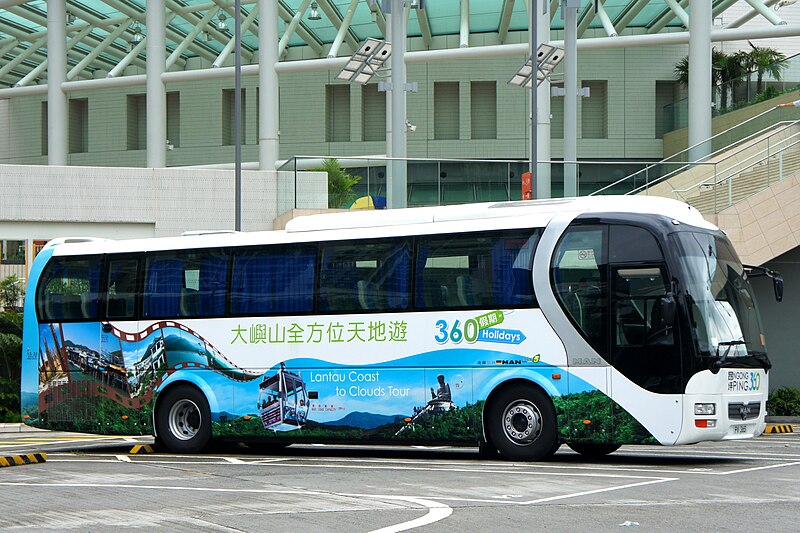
x: 630, y: 75
x: 42, y: 202
x: 780, y: 320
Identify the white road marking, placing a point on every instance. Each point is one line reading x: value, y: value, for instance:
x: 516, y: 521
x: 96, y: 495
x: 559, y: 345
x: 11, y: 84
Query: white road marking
x: 756, y: 468
x: 436, y: 511
x: 123, y: 458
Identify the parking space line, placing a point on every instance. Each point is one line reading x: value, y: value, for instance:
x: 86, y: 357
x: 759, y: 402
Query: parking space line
x: 757, y: 468
x: 436, y: 512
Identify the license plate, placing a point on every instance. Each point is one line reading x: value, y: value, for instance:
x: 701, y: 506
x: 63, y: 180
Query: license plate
x: 739, y: 429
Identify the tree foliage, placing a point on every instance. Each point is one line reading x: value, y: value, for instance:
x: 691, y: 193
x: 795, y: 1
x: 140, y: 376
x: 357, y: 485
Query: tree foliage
x: 784, y: 402
x: 727, y: 70
x: 340, y: 184
x: 10, y: 364
x: 11, y: 290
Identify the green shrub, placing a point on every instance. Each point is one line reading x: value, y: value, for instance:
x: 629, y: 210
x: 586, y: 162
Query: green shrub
x: 10, y: 359
x: 784, y: 402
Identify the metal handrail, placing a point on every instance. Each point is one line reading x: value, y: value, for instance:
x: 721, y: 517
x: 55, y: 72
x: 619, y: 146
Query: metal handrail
x: 785, y: 125
x: 670, y: 159
x: 730, y: 174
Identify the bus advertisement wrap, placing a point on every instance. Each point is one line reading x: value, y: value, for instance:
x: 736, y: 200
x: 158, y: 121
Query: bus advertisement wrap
x: 593, y: 322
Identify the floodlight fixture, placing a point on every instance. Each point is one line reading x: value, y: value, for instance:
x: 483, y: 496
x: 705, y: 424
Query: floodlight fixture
x: 137, y: 33
x: 314, y: 15
x: 222, y: 25
x: 365, y: 62
x: 547, y: 58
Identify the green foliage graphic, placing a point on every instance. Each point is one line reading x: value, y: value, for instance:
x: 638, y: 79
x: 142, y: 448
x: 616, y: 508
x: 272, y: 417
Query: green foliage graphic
x: 96, y: 414
x: 609, y: 423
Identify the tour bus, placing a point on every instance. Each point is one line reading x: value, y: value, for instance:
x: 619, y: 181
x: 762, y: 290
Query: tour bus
x: 516, y: 326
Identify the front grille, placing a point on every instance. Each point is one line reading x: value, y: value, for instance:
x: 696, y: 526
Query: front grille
x: 744, y: 411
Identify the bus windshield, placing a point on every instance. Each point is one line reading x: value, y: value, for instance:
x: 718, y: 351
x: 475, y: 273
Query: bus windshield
x: 722, y: 308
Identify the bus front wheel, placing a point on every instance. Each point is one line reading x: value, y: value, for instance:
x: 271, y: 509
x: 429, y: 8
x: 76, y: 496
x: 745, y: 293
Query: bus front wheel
x: 522, y: 424
x: 183, y: 420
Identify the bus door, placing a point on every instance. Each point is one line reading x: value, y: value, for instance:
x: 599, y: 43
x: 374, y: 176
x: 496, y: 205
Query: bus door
x: 579, y: 279
x: 643, y: 348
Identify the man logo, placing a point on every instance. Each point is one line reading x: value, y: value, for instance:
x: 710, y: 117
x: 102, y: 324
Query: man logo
x: 744, y: 411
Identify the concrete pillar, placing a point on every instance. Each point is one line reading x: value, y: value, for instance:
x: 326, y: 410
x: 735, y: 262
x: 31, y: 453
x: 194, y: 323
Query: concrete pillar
x: 543, y: 181
x: 57, y: 116
x: 156, y: 90
x: 268, y: 112
x: 699, y: 79
x: 570, y: 97
x: 397, y: 180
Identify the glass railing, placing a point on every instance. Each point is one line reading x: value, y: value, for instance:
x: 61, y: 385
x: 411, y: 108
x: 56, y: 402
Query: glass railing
x: 461, y: 181
x: 739, y: 93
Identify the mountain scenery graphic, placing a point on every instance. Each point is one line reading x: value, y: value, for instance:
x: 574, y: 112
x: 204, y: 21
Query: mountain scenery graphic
x: 359, y: 419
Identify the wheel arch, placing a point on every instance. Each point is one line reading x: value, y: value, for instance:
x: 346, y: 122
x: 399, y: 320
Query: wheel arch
x: 548, y: 391
x: 190, y: 379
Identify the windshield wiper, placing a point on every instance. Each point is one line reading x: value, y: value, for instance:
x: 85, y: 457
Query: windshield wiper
x: 728, y: 345
x: 762, y: 358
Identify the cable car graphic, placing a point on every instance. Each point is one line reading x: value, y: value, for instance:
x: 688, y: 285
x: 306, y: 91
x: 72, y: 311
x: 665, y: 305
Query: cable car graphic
x: 282, y: 401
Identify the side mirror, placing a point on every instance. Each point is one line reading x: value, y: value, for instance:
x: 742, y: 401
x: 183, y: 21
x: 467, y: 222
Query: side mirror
x: 669, y: 309
x: 777, y: 284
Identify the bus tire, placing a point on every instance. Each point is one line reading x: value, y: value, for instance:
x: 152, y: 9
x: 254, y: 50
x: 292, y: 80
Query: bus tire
x: 183, y: 420
x: 593, y: 449
x: 522, y: 424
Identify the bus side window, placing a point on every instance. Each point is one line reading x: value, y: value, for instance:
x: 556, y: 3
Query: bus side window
x: 487, y: 269
x: 121, y: 288
x: 273, y: 280
x: 365, y: 276
x: 69, y: 290
x: 185, y: 284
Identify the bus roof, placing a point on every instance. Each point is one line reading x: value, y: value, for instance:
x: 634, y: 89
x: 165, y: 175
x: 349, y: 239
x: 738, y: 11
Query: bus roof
x: 413, y: 221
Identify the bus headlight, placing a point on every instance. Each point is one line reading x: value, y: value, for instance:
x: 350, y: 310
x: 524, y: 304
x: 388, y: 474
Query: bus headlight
x: 705, y: 408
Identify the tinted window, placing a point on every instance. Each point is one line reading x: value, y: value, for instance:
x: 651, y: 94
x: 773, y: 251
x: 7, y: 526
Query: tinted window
x: 121, y: 288
x: 475, y: 270
x: 69, y: 290
x: 629, y: 244
x: 186, y: 284
x: 579, y: 279
x: 365, y: 276
x: 273, y: 280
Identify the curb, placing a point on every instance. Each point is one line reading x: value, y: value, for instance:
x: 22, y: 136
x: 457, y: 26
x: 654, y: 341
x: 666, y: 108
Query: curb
x: 779, y: 428
x: 27, y: 459
x: 142, y: 448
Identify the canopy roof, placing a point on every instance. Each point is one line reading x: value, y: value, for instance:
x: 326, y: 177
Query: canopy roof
x: 110, y: 30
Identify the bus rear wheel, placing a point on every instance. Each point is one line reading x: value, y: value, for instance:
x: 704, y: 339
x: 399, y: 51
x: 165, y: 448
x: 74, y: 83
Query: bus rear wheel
x: 522, y: 424
x: 593, y: 449
x: 183, y: 420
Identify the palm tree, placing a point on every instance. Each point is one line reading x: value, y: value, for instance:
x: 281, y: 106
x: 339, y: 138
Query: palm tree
x: 340, y: 184
x: 722, y: 71
x: 764, y: 60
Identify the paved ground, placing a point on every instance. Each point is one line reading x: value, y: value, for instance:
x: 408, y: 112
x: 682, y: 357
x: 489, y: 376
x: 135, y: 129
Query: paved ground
x: 732, y: 486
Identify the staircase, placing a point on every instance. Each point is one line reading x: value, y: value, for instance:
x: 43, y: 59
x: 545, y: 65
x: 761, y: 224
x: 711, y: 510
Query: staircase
x: 717, y: 195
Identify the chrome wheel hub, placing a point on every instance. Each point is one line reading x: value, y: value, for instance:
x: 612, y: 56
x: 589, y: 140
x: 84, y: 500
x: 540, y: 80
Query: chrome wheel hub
x: 184, y: 420
x: 522, y: 422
